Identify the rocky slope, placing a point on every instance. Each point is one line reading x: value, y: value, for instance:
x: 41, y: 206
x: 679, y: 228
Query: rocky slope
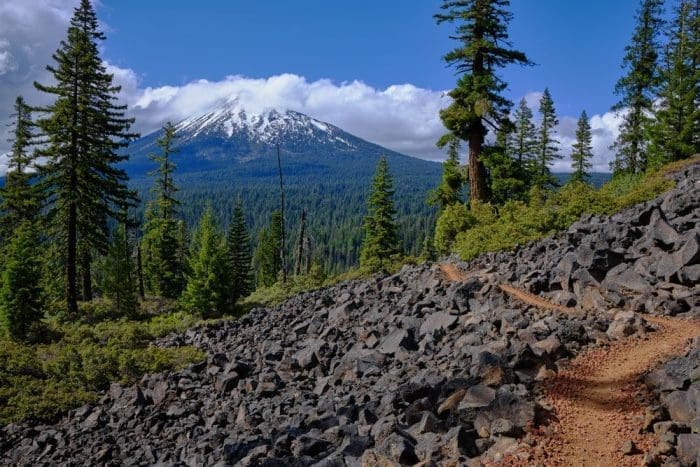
x: 413, y: 367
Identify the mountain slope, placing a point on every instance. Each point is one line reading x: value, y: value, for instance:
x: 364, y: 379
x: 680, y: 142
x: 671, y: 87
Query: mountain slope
x: 231, y: 137
x: 230, y: 153
x: 415, y: 367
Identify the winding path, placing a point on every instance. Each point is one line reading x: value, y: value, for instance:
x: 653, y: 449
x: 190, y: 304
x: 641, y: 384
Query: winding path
x: 598, y: 400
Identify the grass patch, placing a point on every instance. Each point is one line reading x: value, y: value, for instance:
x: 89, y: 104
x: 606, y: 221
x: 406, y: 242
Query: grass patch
x: 42, y: 381
x: 279, y: 292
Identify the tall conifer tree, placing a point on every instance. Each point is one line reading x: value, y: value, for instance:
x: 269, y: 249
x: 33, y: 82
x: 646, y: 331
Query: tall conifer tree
x: 207, y: 281
x: 381, y: 240
x: 637, y: 89
x: 21, y: 298
x: 547, y: 144
x: 478, y: 102
x: 453, y: 178
x: 84, y: 129
x: 163, y: 266
x: 523, y: 139
x: 582, y: 150
x: 239, y: 257
x: 676, y: 132
x: 20, y: 200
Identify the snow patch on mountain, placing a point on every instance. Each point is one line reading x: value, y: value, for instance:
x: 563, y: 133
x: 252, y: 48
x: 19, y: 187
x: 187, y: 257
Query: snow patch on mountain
x: 232, y: 120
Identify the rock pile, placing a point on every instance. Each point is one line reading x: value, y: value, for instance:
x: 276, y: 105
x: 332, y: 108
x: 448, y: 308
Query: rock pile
x: 676, y: 421
x: 401, y: 369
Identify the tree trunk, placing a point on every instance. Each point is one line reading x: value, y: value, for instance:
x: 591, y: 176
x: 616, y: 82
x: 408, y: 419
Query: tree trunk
x: 71, y: 260
x: 72, y: 220
x: 478, y: 192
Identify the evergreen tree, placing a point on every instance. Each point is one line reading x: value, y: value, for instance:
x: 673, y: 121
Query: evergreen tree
x: 239, y: 257
x: 507, y: 178
x: 582, y: 150
x: 208, y: 280
x: 20, y: 201
x: 381, y: 240
x: 163, y: 266
x: 120, y: 282
x: 547, y: 145
x: 477, y: 100
x: 523, y: 140
x: 83, y: 129
x: 453, y: 179
x: 637, y: 89
x: 20, y: 294
x: 676, y: 132
x: 268, y: 261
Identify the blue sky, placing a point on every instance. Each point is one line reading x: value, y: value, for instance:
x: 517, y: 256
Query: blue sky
x: 373, y: 68
x: 577, y: 45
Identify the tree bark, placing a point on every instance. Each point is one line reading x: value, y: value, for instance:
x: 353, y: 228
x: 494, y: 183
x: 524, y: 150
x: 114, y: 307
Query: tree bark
x: 71, y: 257
x: 478, y: 192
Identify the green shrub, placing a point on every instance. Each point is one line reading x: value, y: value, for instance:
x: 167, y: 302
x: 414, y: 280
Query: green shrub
x: 43, y: 381
x: 454, y: 219
x: 482, y: 229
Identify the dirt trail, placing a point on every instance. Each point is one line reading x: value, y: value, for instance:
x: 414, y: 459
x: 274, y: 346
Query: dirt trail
x: 598, y: 400
x: 534, y: 300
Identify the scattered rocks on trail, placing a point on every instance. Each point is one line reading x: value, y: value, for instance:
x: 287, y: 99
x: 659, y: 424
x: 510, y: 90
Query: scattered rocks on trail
x: 407, y: 368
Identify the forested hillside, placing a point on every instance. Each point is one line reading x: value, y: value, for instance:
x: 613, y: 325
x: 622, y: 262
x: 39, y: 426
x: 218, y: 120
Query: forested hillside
x: 111, y: 241
x: 230, y: 154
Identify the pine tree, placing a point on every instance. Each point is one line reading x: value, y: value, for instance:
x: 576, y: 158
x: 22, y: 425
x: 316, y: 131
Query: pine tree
x: 268, y: 261
x: 83, y: 129
x: 120, y: 282
x: 163, y: 266
x: 477, y: 100
x: 675, y: 134
x: 507, y: 178
x: 547, y: 145
x: 239, y: 257
x: 208, y: 280
x: 522, y: 141
x: 453, y: 179
x: 582, y: 150
x: 20, y: 200
x: 637, y: 89
x: 381, y: 241
x: 20, y: 294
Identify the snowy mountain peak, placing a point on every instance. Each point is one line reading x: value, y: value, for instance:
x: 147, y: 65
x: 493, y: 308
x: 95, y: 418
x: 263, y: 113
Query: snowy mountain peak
x: 232, y: 120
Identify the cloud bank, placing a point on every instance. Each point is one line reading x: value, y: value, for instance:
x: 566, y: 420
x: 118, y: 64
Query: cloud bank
x: 402, y: 117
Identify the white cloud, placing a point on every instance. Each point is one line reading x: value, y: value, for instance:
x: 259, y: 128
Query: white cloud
x: 402, y: 117
x: 532, y: 99
x: 7, y: 60
x: 604, y: 131
x: 30, y: 31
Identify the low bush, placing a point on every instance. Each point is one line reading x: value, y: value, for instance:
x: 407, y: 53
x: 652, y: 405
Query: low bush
x: 43, y: 381
x: 485, y: 228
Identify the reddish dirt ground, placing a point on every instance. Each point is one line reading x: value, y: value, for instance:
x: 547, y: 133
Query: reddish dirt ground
x: 598, y: 399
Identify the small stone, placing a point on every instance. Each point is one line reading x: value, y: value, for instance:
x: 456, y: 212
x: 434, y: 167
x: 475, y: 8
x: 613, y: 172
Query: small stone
x: 451, y: 402
x: 628, y: 448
